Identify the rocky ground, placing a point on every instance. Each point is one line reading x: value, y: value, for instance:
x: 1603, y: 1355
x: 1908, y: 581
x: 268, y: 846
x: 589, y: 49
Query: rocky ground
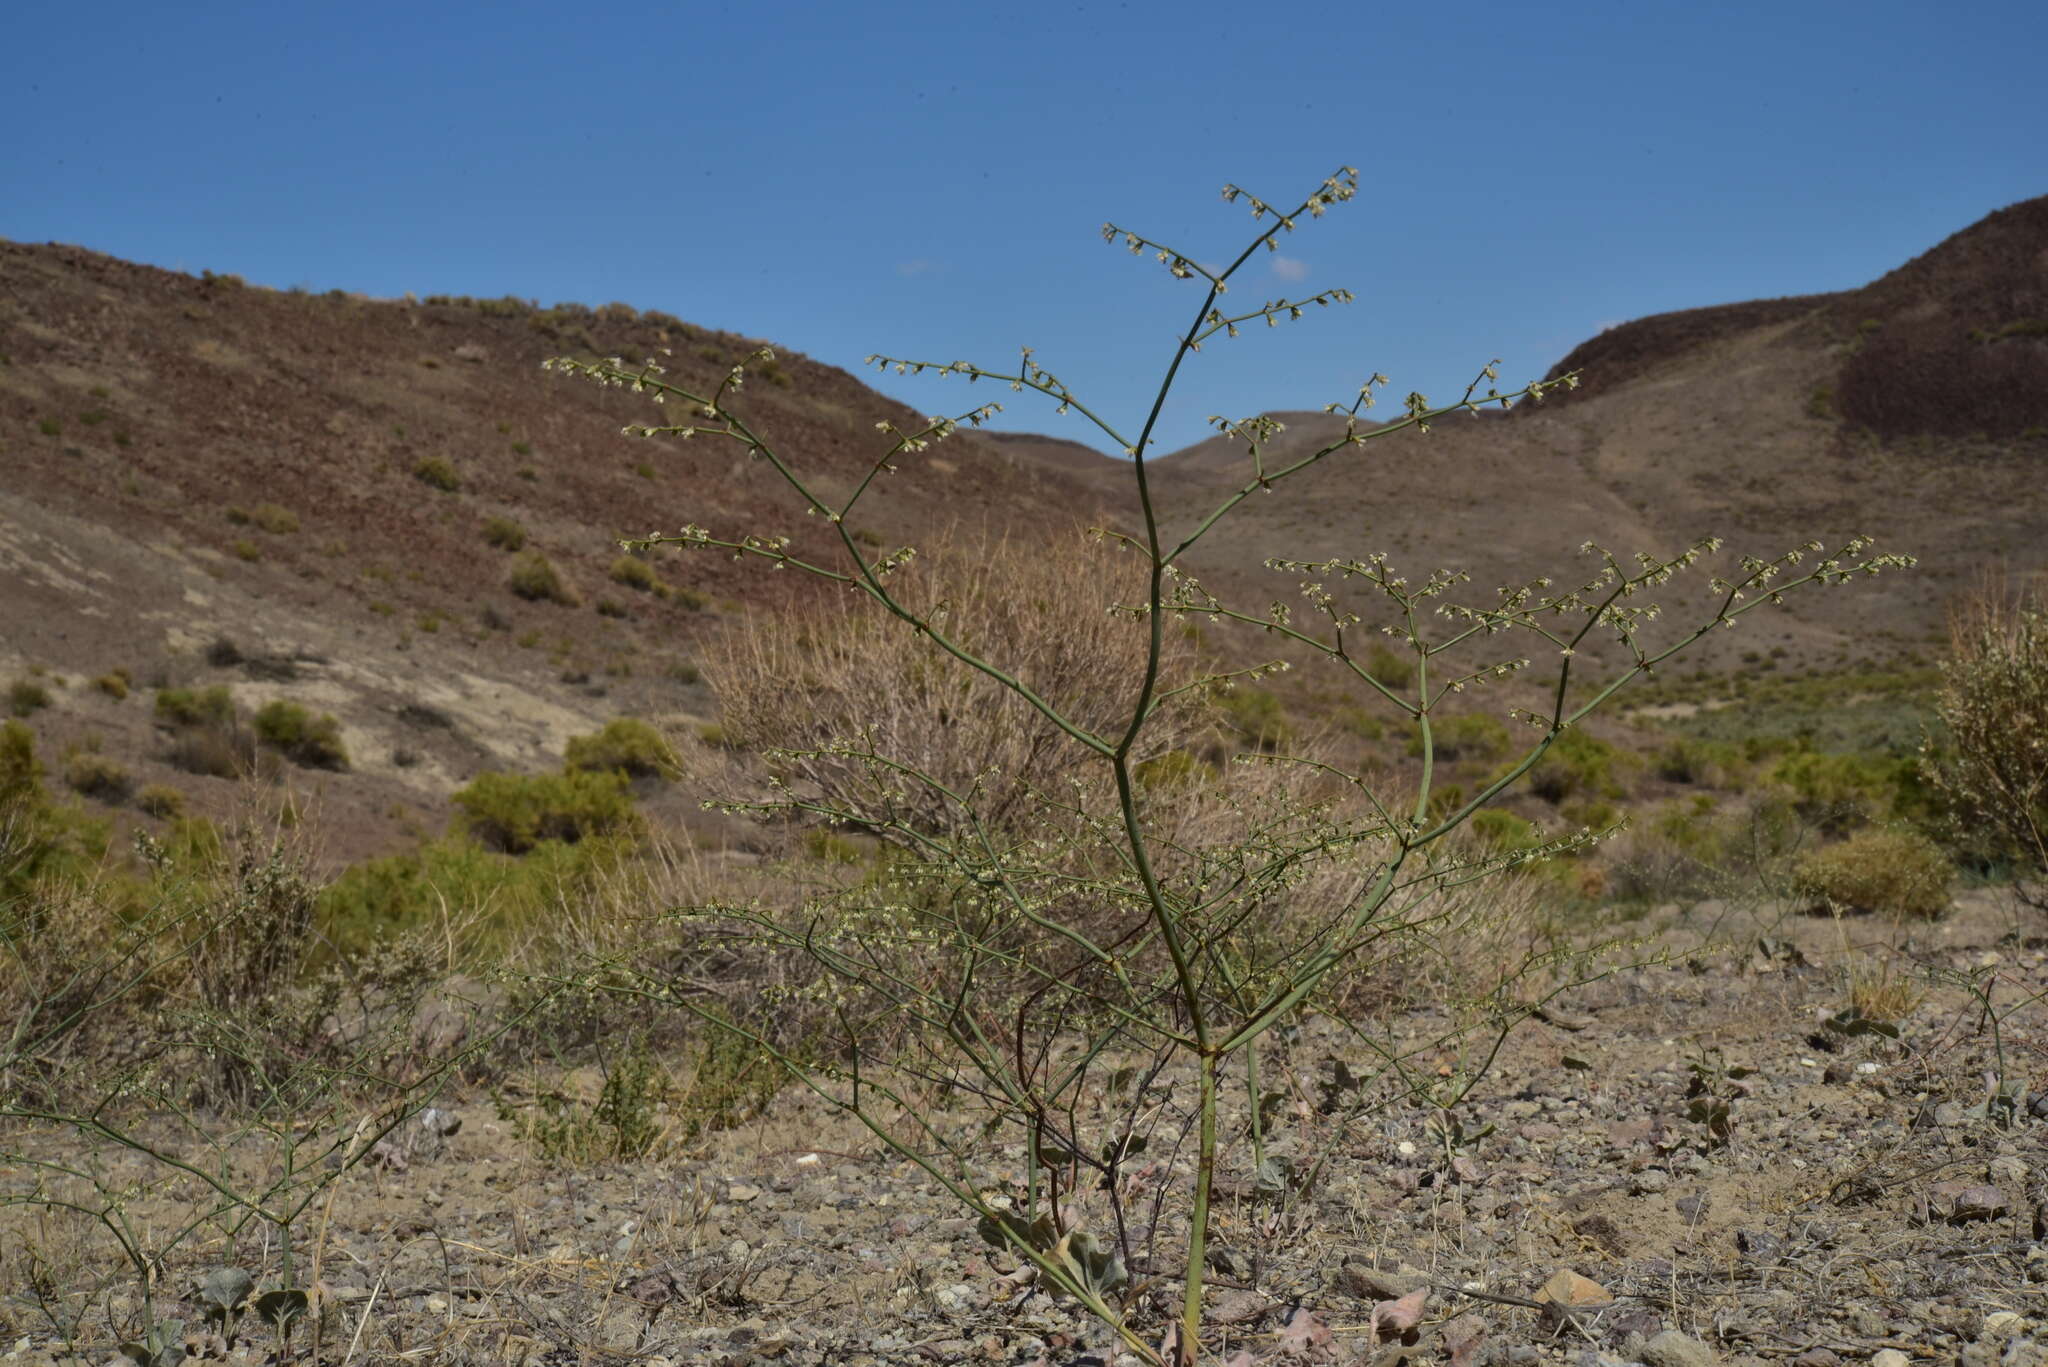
x: 1836, y: 1196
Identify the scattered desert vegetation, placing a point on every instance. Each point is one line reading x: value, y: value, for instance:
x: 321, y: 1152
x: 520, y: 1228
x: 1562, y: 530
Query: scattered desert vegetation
x: 1081, y: 962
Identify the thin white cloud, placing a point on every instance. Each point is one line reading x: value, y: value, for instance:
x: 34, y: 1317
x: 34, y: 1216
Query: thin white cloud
x: 1289, y: 268
x: 921, y: 266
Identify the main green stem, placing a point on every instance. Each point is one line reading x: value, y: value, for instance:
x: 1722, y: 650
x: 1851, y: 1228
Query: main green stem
x: 1198, y: 1230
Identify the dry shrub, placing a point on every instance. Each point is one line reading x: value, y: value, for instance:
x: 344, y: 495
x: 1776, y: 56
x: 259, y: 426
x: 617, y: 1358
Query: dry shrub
x: 845, y: 673
x: 1892, y: 872
x: 1993, y: 702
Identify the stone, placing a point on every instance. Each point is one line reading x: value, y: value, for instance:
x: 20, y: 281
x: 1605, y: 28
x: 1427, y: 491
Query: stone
x: 1673, y: 1349
x: 1890, y: 1357
x: 1568, y: 1296
x: 1368, y: 1283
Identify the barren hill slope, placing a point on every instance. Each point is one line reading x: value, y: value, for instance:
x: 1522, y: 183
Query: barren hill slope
x: 1915, y: 409
x: 315, y: 497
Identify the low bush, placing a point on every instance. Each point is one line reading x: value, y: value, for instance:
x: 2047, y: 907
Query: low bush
x: 1257, y: 716
x: 500, y: 898
x: 270, y: 517
x: 1580, y: 764
x: 535, y: 579
x: 303, y: 738
x: 635, y: 573
x: 1892, y: 872
x: 1473, y: 736
x: 195, y: 706
x: 626, y: 746
x: 161, y: 800
x: 1502, y: 832
x: 26, y: 697
x: 1841, y: 792
x: 437, y: 473
x: 513, y: 813
x: 21, y: 773
x: 505, y: 534
x: 1991, y: 773
x: 1712, y: 764
x: 208, y: 737
x: 114, y: 684
x: 96, y: 776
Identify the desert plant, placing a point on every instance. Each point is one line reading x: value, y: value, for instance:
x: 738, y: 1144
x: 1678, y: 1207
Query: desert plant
x: 195, y: 707
x: 634, y: 573
x: 263, y: 1084
x: 1992, y: 765
x: 515, y: 812
x: 94, y: 775
x: 161, y: 800
x: 535, y: 579
x: 26, y: 697
x: 437, y: 473
x: 1038, y: 940
x: 270, y: 517
x: 628, y: 746
x: 1892, y: 872
x: 505, y: 534
x: 861, y: 685
x: 302, y: 737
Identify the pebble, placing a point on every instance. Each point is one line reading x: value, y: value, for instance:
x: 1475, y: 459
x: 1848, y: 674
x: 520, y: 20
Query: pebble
x: 1890, y: 1357
x: 1673, y: 1349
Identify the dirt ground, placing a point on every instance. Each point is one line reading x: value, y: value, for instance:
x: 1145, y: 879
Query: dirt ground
x: 1865, y: 1205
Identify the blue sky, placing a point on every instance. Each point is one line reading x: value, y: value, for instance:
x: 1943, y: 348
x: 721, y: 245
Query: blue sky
x: 929, y: 179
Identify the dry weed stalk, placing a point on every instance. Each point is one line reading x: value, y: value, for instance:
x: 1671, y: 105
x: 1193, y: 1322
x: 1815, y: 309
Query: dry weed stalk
x: 1076, y: 944
x: 1993, y: 705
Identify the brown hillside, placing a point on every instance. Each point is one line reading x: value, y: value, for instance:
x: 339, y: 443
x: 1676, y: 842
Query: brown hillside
x: 1740, y: 420
x: 206, y: 483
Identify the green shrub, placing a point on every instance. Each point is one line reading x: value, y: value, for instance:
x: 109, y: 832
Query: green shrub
x: 1893, y: 872
x: 1176, y: 769
x: 1473, y: 736
x: 437, y: 473
x: 161, y: 800
x: 1390, y: 667
x: 247, y: 550
x: 535, y: 579
x: 96, y: 776
x: 505, y: 534
x: 509, y: 896
x: 302, y: 737
x: 1502, y: 832
x: 1257, y: 716
x: 625, y: 746
x: 1712, y: 764
x: 113, y: 683
x: 634, y: 573
x: 25, y: 697
x: 513, y: 813
x: 611, y: 607
x: 195, y: 706
x: 270, y: 517
x: 1840, y: 792
x: 21, y: 773
x: 1579, y: 764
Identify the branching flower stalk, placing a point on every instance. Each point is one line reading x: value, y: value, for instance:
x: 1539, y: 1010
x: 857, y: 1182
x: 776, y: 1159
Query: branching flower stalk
x: 1066, y: 965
